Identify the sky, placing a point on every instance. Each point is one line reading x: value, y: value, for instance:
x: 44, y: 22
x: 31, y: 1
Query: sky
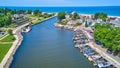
x: 59, y: 2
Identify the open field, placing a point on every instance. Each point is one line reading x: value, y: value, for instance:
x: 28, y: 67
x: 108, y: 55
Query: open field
x: 9, y: 38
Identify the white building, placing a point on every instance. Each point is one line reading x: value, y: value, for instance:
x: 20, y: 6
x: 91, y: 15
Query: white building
x: 100, y: 21
x: 116, y: 22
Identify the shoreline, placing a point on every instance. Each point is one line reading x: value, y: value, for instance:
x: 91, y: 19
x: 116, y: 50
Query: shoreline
x: 95, y: 47
x: 93, y: 14
x: 8, y: 58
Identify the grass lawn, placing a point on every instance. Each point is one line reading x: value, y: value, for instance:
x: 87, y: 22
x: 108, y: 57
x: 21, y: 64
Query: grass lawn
x: 9, y: 38
x: 3, y: 50
x: 12, y: 25
x: 32, y: 16
x: 38, y: 21
x: 2, y: 30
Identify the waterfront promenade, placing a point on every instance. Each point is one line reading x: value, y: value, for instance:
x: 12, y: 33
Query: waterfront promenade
x: 7, y: 60
x: 9, y: 56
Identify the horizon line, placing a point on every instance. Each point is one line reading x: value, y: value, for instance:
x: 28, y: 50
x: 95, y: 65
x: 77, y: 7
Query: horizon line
x: 59, y: 6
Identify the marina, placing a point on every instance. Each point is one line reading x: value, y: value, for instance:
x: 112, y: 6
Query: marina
x: 89, y: 53
x: 81, y: 42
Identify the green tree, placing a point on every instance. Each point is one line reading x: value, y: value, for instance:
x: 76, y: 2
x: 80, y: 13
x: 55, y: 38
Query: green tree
x: 29, y: 11
x: 5, y: 20
x: 61, y: 15
x: 109, y: 36
x: 102, y: 16
x: 77, y: 24
x: 75, y: 16
x: 37, y: 12
x: 10, y: 32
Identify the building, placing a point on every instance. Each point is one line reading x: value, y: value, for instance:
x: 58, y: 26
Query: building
x: 15, y: 16
x: 44, y: 13
x: 67, y: 16
x: 100, y: 21
x: 115, y: 22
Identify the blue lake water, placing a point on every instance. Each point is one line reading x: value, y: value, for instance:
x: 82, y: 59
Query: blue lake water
x: 110, y: 10
x: 48, y: 47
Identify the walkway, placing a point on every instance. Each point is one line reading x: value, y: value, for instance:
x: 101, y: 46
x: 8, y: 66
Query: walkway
x: 6, y: 42
x: 9, y: 56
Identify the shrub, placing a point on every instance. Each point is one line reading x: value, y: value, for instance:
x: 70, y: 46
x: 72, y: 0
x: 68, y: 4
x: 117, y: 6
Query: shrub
x: 10, y: 32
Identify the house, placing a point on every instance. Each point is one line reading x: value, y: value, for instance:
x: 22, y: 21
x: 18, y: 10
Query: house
x: 15, y: 16
x: 100, y: 21
x: 111, y: 19
x: 115, y: 22
x: 67, y: 16
x: 44, y: 13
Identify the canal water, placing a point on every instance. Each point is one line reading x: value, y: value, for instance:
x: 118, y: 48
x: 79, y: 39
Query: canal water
x: 48, y: 47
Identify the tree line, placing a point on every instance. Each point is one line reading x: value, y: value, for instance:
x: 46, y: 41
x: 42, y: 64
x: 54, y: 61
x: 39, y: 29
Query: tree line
x: 109, y: 36
x: 6, y: 15
x: 61, y: 15
x: 102, y: 16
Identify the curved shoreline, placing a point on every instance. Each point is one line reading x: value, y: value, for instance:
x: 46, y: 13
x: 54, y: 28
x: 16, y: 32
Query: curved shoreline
x: 8, y: 58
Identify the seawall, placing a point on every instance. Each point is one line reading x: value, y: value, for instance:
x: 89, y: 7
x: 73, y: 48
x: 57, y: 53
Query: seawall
x: 7, y: 60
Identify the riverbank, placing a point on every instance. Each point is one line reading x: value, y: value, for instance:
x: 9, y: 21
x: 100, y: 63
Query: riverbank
x: 7, y: 60
x: 101, y: 51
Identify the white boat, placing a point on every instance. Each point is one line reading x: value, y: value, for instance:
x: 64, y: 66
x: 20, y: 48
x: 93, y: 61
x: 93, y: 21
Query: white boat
x: 26, y: 30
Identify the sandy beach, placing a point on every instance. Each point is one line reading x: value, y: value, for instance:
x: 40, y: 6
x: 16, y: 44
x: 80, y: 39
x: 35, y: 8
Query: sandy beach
x: 93, y: 14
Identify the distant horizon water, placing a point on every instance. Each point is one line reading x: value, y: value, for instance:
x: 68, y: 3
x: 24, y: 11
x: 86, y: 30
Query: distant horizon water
x: 110, y: 10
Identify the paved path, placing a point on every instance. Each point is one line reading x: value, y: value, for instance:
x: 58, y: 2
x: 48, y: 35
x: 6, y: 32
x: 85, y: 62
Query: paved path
x: 9, y: 56
x: 6, y: 42
x: 4, y: 36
